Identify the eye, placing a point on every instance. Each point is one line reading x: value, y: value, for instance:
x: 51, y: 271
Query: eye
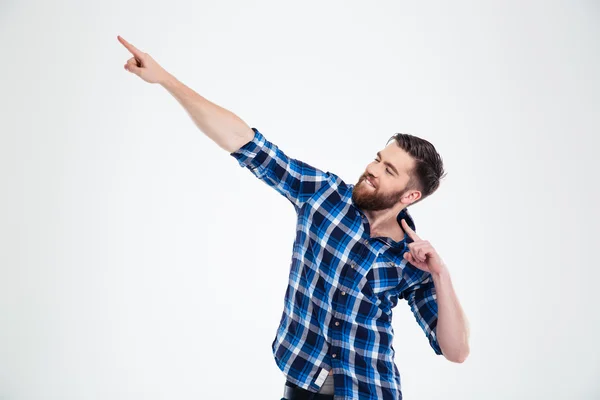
x: 386, y: 170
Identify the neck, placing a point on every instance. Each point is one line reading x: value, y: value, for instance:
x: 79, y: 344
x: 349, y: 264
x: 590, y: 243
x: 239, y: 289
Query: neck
x: 384, y: 223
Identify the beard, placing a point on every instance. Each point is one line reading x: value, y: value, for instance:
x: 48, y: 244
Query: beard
x: 368, y: 198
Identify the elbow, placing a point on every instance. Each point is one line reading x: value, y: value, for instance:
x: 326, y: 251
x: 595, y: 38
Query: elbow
x: 461, y: 358
x: 458, y: 357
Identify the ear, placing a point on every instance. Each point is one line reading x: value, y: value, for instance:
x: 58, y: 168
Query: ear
x: 410, y: 197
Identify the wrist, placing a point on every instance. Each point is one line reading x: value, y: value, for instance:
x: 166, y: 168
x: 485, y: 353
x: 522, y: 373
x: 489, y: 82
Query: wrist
x: 441, y: 275
x: 168, y: 81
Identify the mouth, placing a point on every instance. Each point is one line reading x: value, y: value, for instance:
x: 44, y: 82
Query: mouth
x: 368, y: 182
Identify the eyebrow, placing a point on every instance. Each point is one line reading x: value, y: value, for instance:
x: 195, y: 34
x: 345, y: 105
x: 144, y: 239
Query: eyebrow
x: 388, y: 163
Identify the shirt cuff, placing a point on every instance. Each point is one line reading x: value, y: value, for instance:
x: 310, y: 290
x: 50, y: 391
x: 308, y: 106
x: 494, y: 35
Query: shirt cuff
x: 254, y: 153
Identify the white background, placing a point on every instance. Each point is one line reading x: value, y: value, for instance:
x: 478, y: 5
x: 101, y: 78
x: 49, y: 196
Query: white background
x: 139, y: 261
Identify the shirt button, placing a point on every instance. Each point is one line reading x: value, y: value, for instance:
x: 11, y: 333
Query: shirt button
x: 352, y: 265
x: 337, y: 323
x: 366, y: 241
x: 333, y: 355
x: 343, y: 293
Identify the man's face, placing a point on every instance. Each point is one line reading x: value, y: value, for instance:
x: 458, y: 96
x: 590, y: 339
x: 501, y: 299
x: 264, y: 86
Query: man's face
x: 389, y: 174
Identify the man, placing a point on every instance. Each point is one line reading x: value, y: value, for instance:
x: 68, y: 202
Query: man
x: 355, y: 254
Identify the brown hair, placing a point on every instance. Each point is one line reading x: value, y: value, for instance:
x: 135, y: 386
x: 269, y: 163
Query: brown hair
x: 429, y: 168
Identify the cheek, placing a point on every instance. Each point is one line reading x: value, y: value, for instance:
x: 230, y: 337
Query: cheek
x: 390, y: 189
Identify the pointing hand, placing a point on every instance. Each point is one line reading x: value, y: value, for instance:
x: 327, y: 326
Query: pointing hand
x: 142, y: 65
x: 421, y: 253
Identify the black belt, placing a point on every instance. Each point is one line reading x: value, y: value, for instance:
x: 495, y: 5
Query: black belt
x: 293, y: 392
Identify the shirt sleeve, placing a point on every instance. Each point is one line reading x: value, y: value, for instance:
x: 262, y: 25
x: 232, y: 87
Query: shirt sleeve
x: 294, y: 179
x: 423, y: 303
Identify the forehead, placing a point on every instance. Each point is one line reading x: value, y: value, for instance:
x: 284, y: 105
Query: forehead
x: 399, y: 158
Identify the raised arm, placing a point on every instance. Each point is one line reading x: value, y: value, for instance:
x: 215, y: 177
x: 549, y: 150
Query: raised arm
x: 294, y: 179
x: 225, y: 128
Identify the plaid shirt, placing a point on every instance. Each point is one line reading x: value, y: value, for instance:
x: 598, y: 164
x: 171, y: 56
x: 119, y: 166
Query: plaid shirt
x: 342, y: 285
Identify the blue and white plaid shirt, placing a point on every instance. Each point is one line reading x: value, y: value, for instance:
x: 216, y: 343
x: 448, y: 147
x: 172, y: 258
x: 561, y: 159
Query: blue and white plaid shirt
x: 343, y: 283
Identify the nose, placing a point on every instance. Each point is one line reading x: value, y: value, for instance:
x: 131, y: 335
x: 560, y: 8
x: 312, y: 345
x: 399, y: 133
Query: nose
x: 370, y: 172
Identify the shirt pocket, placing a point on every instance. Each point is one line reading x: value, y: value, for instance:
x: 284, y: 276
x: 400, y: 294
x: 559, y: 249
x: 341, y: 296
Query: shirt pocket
x: 384, y: 275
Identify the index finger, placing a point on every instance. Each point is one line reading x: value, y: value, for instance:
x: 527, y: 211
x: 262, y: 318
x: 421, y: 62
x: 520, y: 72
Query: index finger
x: 412, y: 234
x: 130, y: 47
